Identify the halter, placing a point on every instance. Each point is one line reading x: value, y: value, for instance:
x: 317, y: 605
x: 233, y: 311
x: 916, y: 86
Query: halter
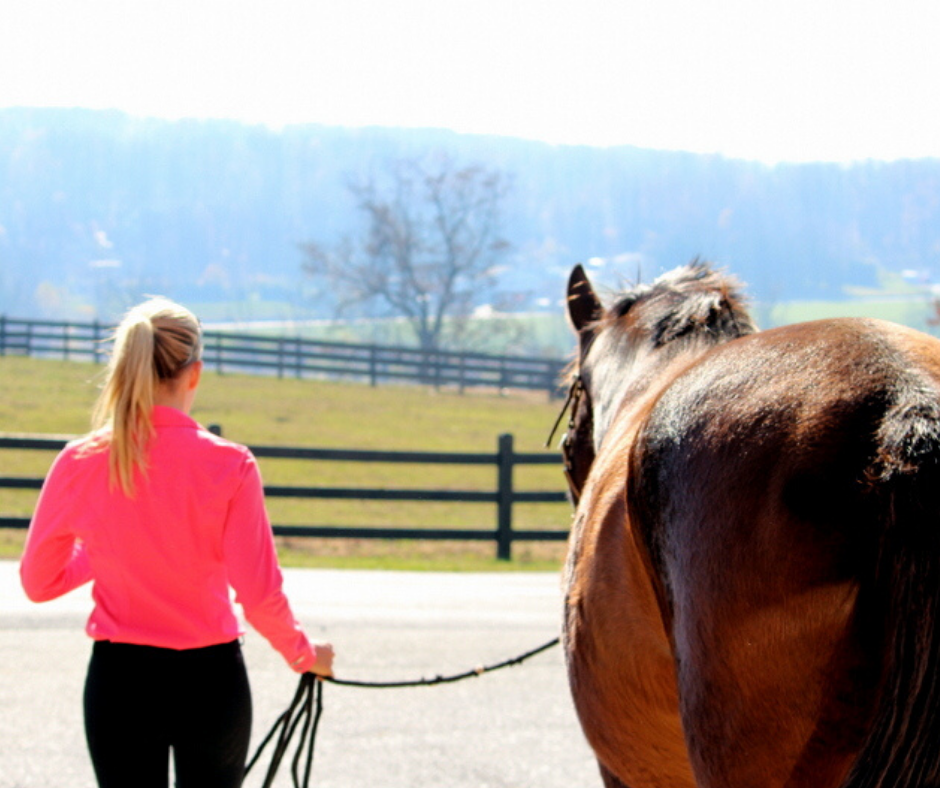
x: 575, y: 392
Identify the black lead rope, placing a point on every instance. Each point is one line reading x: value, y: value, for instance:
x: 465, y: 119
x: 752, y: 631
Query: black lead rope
x: 306, y: 709
x: 469, y: 674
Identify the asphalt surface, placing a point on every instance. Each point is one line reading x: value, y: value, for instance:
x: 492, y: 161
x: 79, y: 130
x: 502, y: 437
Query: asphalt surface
x: 514, y: 728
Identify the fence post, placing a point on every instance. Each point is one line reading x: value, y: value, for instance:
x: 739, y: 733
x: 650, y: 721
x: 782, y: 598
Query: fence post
x: 438, y: 370
x: 96, y: 341
x: 215, y: 429
x: 373, y: 366
x: 553, y: 379
x: 3, y: 335
x: 504, y: 495
x: 462, y: 373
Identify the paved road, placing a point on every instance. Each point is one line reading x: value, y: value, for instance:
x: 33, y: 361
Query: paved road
x: 514, y: 728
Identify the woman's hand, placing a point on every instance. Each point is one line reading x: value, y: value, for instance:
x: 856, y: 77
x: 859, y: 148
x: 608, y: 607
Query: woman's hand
x: 323, y: 665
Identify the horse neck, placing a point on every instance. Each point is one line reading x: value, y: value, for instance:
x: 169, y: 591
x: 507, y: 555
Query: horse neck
x: 632, y: 386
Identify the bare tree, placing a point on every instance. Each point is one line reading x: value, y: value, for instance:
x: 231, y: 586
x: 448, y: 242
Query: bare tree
x: 430, y: 246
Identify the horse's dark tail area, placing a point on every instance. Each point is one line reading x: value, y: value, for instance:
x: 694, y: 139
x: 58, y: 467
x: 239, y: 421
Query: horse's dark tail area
x: 903, y: 747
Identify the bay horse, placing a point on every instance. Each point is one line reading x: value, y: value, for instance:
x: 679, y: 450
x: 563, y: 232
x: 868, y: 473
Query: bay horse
x: 753, y: 578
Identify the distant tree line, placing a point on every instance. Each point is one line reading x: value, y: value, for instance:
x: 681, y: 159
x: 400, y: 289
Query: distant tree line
x: 97, y: 208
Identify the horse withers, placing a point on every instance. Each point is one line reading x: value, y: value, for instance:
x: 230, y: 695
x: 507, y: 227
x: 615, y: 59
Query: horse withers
x: 753, y: 579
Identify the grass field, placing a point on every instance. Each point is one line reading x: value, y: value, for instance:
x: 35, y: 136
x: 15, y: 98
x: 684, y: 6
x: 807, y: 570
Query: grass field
x: 907, y: 311
x: 51, y: 397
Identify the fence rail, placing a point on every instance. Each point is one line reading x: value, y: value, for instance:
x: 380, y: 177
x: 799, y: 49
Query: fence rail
x: 503, y: 497
x: 296, y: 357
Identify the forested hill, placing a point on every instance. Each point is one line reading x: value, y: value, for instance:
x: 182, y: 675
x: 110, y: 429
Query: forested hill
x: 98, y: 207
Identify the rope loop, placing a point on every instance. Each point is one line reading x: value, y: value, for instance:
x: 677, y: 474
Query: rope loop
x: 307, y: 708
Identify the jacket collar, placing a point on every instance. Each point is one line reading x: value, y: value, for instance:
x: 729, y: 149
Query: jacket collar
x: 164, y: 416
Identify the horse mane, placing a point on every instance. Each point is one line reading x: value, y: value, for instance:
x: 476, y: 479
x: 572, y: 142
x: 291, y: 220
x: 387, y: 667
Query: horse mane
x: 691, y: 302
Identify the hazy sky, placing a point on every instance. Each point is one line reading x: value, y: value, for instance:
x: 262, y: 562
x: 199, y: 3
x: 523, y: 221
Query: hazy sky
x: 794, y: 80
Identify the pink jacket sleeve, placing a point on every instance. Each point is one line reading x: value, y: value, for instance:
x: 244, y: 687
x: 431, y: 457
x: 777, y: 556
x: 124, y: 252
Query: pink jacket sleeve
x: 254, y: 573
x: 54, y: 561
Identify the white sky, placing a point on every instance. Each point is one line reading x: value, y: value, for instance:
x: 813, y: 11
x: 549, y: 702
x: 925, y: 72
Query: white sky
x: 795, y: 80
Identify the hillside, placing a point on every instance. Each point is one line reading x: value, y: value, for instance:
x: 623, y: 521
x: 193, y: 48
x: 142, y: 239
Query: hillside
x: 97, y: 208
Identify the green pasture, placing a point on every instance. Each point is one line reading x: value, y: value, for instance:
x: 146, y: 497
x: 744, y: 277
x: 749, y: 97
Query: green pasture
x: 904, y: 310
x: 548, y: 335
x: 529, y: 334
x: 52, y: 397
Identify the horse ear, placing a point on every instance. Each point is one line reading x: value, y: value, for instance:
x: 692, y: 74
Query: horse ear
x: 584, y: 307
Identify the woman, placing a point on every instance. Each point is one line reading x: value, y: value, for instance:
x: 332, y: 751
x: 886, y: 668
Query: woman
x: 164, y: 517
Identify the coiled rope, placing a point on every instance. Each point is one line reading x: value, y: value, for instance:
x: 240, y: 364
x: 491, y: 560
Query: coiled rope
x: 306, y: 708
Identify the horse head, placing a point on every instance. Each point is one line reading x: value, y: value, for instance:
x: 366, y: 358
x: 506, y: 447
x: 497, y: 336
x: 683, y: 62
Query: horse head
x: 621, y: 348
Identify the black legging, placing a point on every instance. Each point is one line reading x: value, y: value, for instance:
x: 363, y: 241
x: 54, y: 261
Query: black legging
x: 140, y: 701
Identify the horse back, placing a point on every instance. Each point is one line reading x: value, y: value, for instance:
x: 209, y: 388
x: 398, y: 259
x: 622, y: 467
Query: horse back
x: 752, y: 489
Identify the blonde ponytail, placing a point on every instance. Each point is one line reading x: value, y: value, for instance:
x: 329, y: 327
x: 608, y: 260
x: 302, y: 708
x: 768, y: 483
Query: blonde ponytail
x: 153, y: 343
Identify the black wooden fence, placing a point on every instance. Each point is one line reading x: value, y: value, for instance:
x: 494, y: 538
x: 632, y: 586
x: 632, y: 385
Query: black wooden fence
x: 295, y: 357
x: 503, y: 497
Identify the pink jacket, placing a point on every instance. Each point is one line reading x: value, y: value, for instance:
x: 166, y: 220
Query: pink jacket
x: 162, y: 562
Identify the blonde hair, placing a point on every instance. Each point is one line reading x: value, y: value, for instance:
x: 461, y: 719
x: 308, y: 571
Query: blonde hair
x: 154, y: 342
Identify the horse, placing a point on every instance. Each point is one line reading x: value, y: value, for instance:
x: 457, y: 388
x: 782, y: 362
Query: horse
x: 752, y: 584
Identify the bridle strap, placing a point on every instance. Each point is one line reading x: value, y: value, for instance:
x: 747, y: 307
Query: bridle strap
x: 574, y: 395
x: 575, y: 392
